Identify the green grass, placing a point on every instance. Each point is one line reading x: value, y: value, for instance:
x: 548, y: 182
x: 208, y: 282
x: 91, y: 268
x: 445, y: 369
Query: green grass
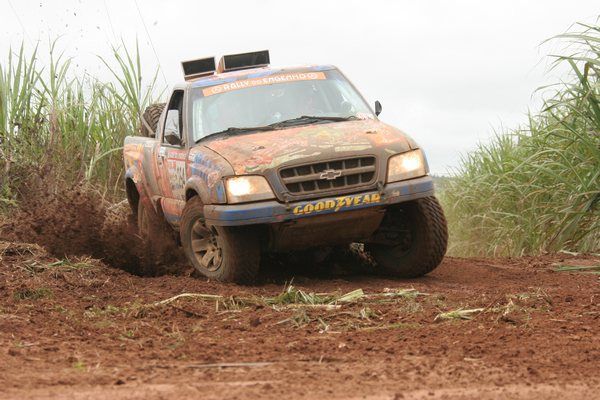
x: 294, y: 296
x: 537, y: 188
x: 461, y: 313
x: 32, y: 294
x: 590, y: 269
x: 343, y: 311
x: 79, y: 366
x: 55, y: 124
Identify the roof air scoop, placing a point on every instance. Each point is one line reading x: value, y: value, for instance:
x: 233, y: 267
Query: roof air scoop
x: 233, y: 62
x: 196, y: 68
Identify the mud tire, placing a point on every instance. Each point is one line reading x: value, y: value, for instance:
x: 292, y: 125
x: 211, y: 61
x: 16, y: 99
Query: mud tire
x: 150, y: 117
x: 147, y: 224
x: 238, y: 246
x: 425, y: 220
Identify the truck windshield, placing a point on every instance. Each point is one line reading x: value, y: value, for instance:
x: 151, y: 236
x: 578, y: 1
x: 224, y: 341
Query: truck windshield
x: 261, y: 101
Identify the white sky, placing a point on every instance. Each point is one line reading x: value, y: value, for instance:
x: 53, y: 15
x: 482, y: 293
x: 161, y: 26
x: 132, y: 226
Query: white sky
x: 449, y: 73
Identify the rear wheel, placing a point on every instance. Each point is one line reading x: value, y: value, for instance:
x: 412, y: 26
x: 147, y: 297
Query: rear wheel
x: 230, y: 254
x: 147, y: 226
x: 150, y: 119
x: 157, y: 246
x: 412, y: 238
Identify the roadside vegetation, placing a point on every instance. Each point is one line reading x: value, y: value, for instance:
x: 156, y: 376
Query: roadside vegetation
x: 537, y: 188
x: 57, y: 125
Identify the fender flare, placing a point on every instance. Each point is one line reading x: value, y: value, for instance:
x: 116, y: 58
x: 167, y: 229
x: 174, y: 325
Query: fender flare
x: 197, y: 185
x: 132, y: 175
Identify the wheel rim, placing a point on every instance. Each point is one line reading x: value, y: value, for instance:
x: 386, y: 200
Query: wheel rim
x: 205, y: 246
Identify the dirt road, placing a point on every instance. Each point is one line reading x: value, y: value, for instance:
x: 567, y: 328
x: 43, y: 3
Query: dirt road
x: 78, y: 329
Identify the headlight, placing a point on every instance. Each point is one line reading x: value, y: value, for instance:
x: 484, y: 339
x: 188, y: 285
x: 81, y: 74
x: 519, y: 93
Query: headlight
x: 241, y: 189
x: 406, y: 166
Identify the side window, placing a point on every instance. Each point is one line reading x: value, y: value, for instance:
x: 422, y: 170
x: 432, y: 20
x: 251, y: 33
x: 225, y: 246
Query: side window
x: 173, y: 128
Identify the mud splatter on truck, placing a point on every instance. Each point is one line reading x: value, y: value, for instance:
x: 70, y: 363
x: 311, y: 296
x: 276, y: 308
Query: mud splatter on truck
x: 247, y: 159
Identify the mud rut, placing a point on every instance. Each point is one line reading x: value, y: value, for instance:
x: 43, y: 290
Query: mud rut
x: 77, y: 327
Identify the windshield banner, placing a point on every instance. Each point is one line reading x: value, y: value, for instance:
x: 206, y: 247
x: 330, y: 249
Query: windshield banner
x: 267, y: 80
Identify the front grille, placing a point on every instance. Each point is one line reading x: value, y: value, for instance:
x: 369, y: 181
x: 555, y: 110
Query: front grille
x: 342, y: 174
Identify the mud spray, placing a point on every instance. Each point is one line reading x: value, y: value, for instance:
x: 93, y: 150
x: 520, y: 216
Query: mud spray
x: 76, y: 220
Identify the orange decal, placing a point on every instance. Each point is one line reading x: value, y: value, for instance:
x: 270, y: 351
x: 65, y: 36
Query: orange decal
x: 266, y: 80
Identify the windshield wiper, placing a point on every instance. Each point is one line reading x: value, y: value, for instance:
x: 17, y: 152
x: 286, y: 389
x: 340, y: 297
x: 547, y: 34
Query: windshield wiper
x: 307, y: 119
x: 232, y: 130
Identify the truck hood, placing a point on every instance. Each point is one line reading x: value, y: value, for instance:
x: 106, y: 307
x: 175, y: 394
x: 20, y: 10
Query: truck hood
x: 256, y: 152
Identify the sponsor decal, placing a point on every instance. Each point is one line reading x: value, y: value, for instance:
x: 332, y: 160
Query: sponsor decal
x: 337, y: 204
x: 267, y: 80
x: 176, y: 177
x: 177, y: 154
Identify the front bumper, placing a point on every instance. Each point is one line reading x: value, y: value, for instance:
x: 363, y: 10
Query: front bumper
x: 266, y: 212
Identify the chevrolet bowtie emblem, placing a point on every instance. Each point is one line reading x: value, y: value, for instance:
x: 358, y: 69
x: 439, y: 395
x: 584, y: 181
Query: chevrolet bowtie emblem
x: 330, y: 174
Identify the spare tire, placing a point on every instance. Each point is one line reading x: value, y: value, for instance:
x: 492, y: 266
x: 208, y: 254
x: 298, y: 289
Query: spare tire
x: 150, y: 119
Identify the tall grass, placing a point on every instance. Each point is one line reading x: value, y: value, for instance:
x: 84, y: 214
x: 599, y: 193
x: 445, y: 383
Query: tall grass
x: 55, y: 124
x: 537, y: 188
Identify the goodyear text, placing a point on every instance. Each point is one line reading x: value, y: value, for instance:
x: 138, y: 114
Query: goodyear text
x: 337, y: 204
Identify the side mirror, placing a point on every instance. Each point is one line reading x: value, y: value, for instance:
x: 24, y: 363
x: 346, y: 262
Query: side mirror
x: 378, y: 107
x: 172, y: 134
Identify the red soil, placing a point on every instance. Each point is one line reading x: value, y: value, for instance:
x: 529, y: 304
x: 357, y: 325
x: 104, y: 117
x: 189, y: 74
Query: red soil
x: 90, y: 331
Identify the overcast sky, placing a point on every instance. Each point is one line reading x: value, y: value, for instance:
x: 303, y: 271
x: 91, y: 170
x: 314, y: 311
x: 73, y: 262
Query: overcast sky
x: 449, y: 73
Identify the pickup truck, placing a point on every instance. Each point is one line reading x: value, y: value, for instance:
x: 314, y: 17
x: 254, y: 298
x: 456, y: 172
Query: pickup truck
x: 246, y: 159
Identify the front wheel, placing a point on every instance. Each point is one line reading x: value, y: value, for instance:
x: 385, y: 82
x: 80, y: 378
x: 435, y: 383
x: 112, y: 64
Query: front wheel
x: 412, y: 238
x: 229, y: 254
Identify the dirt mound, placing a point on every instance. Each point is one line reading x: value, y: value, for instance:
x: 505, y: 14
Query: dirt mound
x: 77, y: 221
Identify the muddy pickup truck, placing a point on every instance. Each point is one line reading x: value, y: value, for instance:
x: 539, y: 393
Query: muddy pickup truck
x: 246, y: 159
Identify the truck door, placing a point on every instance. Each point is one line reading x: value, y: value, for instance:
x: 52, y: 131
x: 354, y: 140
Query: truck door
x: 171, y: 159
